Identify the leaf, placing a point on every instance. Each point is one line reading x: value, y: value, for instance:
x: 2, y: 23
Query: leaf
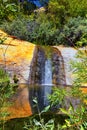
x: 35, y: 100
x: 37, y: 123
x: 50, y: 124
x: 50, y: 121
x: 46, y: 109
x: 64, y: 126
x: 71, y: 107
x: 64, y: 111
x: 82, y: 128
x: 83, y: 109
x: 68, y: 123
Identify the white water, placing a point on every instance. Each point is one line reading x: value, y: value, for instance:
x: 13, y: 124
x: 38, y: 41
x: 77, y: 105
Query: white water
x: 47, y: 80
x: 48, y: 72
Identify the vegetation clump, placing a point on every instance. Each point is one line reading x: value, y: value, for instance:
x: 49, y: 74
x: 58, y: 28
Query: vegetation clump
x: 62, y: 22
x: 6, y: 91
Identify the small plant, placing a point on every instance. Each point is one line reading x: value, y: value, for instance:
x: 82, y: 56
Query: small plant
x: 6, y: 91
x: 7, y: 10
x: 39, y: 124
x: 2, y: 38
x: 57, y: 98
x: 76, y: 118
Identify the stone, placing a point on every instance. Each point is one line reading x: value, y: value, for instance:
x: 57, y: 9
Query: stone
x: 16, y: 58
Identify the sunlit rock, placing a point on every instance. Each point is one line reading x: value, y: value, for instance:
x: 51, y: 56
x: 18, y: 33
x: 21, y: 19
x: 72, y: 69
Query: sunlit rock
x: 68, y: 54
x: 16, y: 57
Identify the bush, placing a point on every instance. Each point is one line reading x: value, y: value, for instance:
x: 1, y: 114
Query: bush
x: 21, y: 27
x: 74, y: 33
x: 32, y: 30
x: 6, y: 91
x: 7, y: 10
x: 60, y: 10
x: 42, y: 31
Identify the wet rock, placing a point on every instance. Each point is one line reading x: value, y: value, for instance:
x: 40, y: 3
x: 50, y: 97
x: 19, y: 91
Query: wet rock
x: 37, y: 70
x: 58, y: 68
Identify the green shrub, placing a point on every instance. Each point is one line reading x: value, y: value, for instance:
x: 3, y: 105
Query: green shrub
x: 42, y: 31
x: 74, y: 32
x: 31, y: 30
x: 6, y: 91
x: 21, y: 27
x: 7, y: 10
x: 59, y: 11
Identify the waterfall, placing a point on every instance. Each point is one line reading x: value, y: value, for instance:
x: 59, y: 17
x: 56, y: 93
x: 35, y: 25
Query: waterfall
x: 47, y: 69
x: 47, y: 80
x: 48, y: 72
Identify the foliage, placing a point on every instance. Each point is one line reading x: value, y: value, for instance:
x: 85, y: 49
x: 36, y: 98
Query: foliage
x: 6, y: 91
x: 80, y: 67
x: 57, y: 11
x: 7, y: 10
x: 11, y: 9
x: 31, y: 30
x: 27, y: 7
x: 46, y: 33
x: 42, y: 31
x: 39, y: 124
x: 57, y: 97
x: 67, y: 23
x: 60, y: 10
x: 62, y: 22
x: 77, y: 8
x: 76, y: 114
x: 2, y: 39
x: 76, y: 118
x: 21, y: 27
x: 74, y: 32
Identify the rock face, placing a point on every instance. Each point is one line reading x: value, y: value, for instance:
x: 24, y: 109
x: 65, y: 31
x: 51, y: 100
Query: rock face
x: 20, y: 58
x: 58, y: 68
x: 37, y: 67
x: 16, y: 57
x: 68, y: 54
x: 20, y: 103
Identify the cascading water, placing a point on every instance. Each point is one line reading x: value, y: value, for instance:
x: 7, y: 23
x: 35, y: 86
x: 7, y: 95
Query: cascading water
x: 47, y: 80
x: 48, y: 72
x: 47, y: 69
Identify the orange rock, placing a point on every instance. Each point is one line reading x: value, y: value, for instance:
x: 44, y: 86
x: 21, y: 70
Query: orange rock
x: 16, y: 55
x: 84, y: 90
x: 21, y: 106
